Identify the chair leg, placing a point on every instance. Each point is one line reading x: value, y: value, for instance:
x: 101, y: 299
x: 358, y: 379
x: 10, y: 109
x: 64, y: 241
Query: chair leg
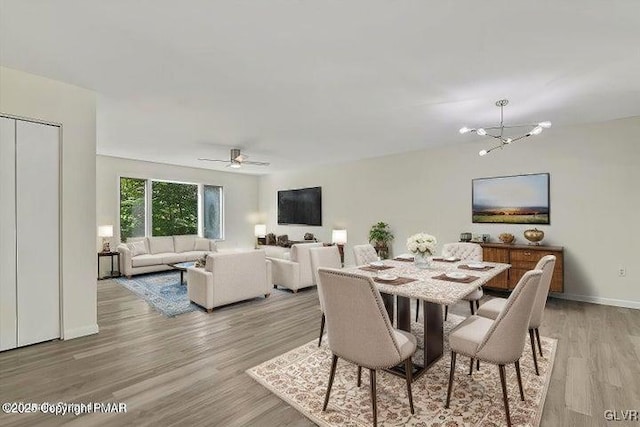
x: 417, y: 309
x: 451, y: 373
x: 539, y: 343
x: 477, y: 304
x: 471, y: 366
x: 533, y: 351
x: 408, y: 368
x: 446, y: 312
x: 519, y: 379
x: 372, y: 378
x: 334, y: 362
x: 504, y: 393
x: 473, y: 309
x: 477, y: 364
x: 359, y: 376
x: 321, y: 330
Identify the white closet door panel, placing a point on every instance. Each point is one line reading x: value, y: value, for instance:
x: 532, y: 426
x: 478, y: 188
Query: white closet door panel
x: 8, y: 321
x: 38, y: 228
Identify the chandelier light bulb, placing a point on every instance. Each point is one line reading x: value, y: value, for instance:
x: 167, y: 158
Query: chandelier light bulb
x: 235, y: 165
x: 464, y: 130
x: 483, y: 152
x: 536, y: 130
x: 545, y: 125
x: 481, y: 132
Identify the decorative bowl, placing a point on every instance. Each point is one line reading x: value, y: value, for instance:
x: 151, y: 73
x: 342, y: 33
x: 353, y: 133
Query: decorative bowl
x: 507, y: 238
x: 534, y: 236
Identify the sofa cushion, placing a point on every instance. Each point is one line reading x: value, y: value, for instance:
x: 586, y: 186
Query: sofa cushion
x: 140, y: 239
x: 201, y: 244
x: 146, y: 260
x: 158, y: 245
x: 137, y: 248
x: 172, y: 258
x: 184, y: 243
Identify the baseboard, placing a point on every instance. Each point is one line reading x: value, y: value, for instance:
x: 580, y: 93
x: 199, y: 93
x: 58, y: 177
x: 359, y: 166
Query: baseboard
x: 599, y: 300
x: 83, y: 331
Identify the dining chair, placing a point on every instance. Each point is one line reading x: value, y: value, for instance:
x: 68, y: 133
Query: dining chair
x: 466, y: 252
x: 360, y: 330
x: 491, y: 309
x: 364, y: 254
x: 498, y: 341
x: 329, y: 257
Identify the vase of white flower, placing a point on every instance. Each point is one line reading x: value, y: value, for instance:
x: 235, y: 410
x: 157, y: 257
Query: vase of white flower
x: 422, y: 246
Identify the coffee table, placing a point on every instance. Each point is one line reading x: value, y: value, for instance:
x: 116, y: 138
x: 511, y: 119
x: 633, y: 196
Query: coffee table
x: 182, y: 267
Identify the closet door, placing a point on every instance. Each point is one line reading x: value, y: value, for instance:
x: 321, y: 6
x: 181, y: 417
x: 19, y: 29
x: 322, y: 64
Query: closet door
x: 8, y: 321
x: 38, y: 229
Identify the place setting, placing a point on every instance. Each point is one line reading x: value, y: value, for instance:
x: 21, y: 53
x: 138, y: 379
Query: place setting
x: 477, y: 266
x: 455, y: 276
x: 392, y: 279
x: 375, y: 266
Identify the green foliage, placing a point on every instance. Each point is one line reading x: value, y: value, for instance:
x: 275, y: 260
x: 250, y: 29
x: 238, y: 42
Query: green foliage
x: 131, y: 208
x: 380, y: 233
x: 175, y: 208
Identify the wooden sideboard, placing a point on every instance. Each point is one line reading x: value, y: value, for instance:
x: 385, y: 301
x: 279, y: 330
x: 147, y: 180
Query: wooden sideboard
x: 522, y: 259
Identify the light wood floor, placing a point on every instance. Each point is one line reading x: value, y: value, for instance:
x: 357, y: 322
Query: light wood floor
x: 189, y: 370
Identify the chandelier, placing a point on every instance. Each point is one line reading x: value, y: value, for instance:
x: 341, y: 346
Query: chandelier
x: 497, y: 132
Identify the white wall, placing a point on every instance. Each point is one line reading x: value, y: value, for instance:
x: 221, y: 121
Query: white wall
x: 240, y: 193
x: 594, y: 200
x: 38, y: 98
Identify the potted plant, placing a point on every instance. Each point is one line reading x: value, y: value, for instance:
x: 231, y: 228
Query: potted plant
x: 380, y: 236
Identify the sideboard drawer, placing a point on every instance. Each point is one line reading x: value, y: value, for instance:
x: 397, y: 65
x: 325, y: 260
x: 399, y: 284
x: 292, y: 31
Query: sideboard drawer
x: 522, y: 259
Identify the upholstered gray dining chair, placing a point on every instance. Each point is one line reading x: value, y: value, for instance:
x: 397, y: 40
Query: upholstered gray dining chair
x: 491, y: 309
x: 329, y: 257
x: 466, y: 252
x: 364, y: 254
x: 360, y: 331
x: 498, y: 341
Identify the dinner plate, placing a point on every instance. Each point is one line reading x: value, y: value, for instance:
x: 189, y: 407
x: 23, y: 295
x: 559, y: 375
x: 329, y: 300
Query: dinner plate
x: 451, y: 258
x: 476, y: 265
x: 405, y: 256
x: 376, y: 264
x: 456, y: 275
x: 386, y: 277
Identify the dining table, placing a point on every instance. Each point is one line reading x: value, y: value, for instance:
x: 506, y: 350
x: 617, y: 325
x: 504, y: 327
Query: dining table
x: 434, y: 286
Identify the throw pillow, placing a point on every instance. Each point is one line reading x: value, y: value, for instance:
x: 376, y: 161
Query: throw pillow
x: 202, y: 244
x: 137, y: 248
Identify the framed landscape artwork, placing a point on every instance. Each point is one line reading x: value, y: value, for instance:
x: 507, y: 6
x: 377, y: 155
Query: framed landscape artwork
x: 519, y: 199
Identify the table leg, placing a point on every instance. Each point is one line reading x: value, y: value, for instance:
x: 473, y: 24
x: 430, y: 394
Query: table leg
x: 433, y: 333
x: 112, y: 270
x: 181, y: 277
x: 389, y: 303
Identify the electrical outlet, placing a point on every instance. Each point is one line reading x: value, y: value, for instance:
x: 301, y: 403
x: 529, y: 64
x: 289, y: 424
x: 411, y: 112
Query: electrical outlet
x: 622, y: 272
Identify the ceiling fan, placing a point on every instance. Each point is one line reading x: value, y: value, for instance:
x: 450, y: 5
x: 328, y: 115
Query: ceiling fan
x: 237, y: 160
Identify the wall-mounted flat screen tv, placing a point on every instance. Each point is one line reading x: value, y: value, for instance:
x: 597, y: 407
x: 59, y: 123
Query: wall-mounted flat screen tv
x: 520, y: 199
x: 302, y: 206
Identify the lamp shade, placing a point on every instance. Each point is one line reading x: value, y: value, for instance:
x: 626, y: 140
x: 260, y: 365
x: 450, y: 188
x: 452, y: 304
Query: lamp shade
x: 105, y: 231
x: 339, y: 237
x: 260, y: 230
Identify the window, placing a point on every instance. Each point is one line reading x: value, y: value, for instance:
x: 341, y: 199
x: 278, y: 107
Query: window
x: 132, y: 208
x: 162, y: 208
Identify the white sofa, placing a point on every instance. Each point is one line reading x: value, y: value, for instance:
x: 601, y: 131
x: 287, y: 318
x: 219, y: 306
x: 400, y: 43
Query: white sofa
x: 149, y: 254
x: 229, y: 277
x: 295, y: 272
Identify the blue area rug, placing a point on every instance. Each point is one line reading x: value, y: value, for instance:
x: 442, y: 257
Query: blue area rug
x: 162, y: 291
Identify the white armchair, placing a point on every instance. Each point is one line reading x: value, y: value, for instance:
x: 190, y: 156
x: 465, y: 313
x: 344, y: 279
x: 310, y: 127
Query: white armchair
x: 294, y: 273
x: 229, y: 277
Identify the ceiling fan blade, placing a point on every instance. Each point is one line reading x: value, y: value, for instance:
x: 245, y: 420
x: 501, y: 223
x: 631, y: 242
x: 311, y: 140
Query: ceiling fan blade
x: 214, y: 160
x: 257, y: 163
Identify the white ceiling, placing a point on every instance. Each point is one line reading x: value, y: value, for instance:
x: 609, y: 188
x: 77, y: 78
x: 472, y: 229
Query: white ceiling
x: 303, y: 82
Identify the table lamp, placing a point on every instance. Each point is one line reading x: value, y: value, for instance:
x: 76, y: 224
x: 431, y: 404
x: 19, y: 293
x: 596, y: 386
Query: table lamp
x: 105, y: 231
x: 339, y: 238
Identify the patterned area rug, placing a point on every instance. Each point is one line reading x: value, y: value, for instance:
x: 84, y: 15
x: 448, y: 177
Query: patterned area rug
x: 300, y: 378
x: 162, y: 291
